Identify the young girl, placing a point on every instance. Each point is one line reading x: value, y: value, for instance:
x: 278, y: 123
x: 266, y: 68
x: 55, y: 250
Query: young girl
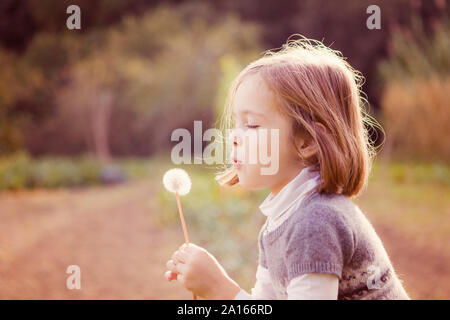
x: 316, y: 243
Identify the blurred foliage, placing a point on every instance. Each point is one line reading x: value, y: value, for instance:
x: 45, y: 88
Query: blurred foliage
x: 230, y: 68
x: 417, y: 54
x: 420, y: 173
x: 137, y: 69
x: 415, y: 100
x: 20, y: 171
x: 342, y: 26
x: 118, y: 88
x: 417, y: 120
x: 16, y: 85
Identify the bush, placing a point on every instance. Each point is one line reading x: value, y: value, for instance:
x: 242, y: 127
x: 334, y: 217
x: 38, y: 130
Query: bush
x: 64, y: 172
x: 19, y: 171
x: 420, y: 173
x: 415, y: 99
x: 417, y: 118
x: 137, y: 80
x: 15, y: 172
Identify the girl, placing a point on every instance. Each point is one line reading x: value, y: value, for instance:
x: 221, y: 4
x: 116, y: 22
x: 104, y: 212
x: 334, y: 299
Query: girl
x: 316, y: 243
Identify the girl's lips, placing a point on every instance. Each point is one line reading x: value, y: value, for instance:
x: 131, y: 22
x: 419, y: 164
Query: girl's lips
x: 236, y: 164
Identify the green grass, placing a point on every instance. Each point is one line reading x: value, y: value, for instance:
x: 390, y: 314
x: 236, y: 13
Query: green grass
x: 21, y: 171
x: 411, y: 197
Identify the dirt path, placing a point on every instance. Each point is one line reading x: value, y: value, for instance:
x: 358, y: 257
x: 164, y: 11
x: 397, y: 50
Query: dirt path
x: 423, y: 268
x: 108, y: 232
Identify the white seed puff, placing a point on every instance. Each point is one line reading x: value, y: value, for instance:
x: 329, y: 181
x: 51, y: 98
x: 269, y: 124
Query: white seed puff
x: 177, y: 180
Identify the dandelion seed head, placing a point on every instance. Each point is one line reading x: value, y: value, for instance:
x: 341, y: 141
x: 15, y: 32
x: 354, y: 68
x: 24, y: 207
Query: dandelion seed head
x: 177, y: 180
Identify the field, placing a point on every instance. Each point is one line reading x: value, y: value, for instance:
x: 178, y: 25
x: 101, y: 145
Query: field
x: 121, y: 236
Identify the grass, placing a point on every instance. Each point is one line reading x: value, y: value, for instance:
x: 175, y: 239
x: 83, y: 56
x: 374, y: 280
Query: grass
x: 21, y: 171
x: 410, y: 197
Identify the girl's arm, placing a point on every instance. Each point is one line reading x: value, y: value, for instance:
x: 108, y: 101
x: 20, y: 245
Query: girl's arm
x: 262, y: 290
x: 313, y: 286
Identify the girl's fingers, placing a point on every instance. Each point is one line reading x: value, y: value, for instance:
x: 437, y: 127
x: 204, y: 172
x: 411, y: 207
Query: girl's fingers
x: 182, y: 280
x: 180, y: 256
x: 171, y: 266
x: 173, y: 255
x: 181, y: 268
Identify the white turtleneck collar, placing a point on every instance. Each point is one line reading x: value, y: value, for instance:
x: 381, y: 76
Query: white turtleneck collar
x: 276, y: 207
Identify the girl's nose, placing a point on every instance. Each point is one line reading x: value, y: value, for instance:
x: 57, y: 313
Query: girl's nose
x: 236, y: 140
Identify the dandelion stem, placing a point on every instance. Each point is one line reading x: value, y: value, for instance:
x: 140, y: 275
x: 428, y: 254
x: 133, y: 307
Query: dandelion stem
x: 186, y: 238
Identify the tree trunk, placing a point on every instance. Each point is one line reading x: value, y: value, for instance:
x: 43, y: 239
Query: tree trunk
x: 101, y: 115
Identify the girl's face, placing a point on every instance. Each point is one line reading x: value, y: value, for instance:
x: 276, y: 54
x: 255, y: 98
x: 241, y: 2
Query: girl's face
x: 261, y: 157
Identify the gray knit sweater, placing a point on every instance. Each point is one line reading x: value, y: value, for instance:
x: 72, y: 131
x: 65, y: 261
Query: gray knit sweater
x: 328, y: 233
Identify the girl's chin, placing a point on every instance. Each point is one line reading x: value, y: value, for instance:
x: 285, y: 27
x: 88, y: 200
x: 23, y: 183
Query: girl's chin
x: 248, y: 183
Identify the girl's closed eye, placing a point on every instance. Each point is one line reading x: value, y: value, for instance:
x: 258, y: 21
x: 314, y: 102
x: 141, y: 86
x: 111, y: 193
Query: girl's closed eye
x: 248, y: 125
x: 251, y: 123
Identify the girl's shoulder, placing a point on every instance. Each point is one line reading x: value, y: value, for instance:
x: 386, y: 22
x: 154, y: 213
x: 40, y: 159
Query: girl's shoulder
x: 331, y: 208
x: 334, y: 201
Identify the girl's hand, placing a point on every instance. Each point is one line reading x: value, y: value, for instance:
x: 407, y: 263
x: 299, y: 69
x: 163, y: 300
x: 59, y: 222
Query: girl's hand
x: 198, y: 271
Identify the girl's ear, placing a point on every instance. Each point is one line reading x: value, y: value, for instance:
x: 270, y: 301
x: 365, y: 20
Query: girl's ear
x: 308, y: 146
x: 308, y: 149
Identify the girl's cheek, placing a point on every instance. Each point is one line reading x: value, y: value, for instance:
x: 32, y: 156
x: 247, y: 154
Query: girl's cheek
x: 259, y: 147
x: 268, y: 147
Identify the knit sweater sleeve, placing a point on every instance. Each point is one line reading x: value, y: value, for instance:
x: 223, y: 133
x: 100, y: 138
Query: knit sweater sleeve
x: 320, y: 241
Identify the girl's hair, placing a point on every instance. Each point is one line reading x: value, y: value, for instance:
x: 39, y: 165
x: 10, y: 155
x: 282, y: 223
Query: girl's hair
x: 314, y: 84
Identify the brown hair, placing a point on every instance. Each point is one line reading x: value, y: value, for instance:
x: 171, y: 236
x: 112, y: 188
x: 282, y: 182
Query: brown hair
x: 317, y: 89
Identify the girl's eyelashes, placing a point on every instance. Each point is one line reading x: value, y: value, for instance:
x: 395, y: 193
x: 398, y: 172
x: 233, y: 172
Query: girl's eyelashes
x: 244, y: 122
x: 238, y: 124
